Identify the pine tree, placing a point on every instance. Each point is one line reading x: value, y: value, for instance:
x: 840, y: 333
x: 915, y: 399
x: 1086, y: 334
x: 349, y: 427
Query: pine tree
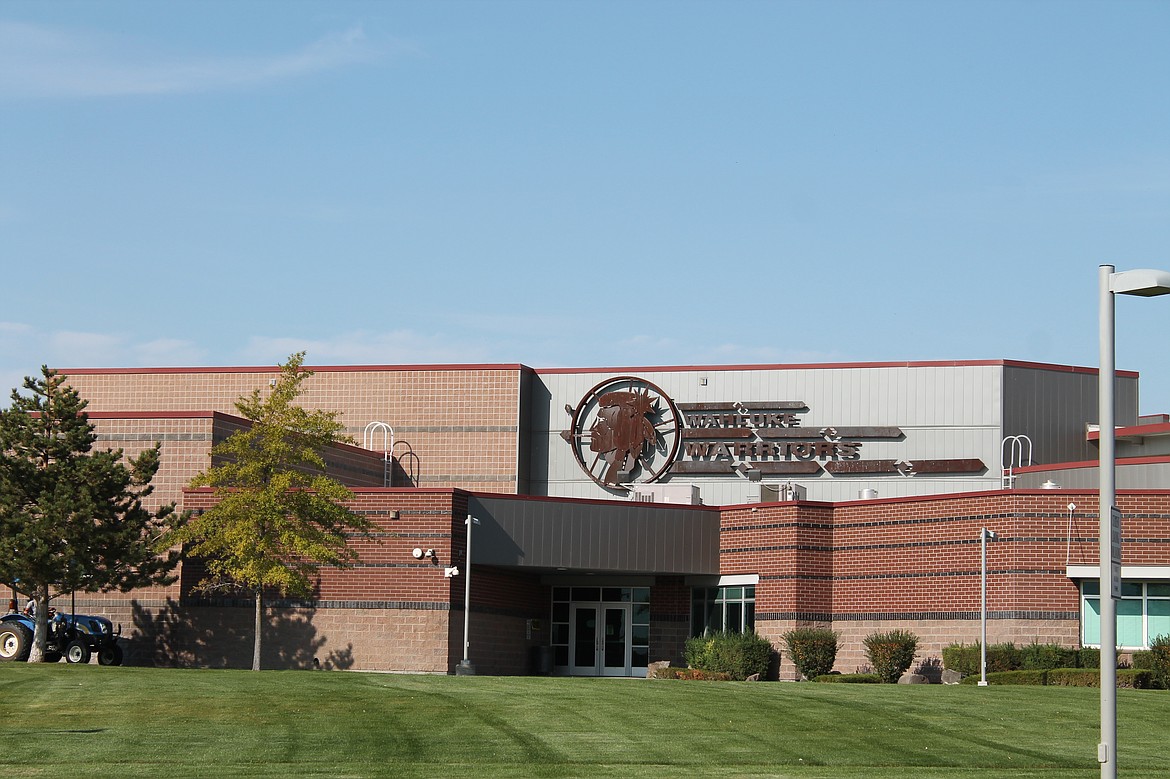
x: 72, y: 518
x: 278, y: 517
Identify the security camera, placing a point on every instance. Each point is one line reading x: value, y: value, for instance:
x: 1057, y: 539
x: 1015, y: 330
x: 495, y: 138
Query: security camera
x: 418, y: 553
x: 449, y: 572
x: 429, y: 553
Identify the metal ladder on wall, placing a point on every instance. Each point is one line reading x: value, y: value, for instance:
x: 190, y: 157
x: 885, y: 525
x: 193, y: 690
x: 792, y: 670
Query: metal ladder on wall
x: 368, y: 438
x: 1013, y: 451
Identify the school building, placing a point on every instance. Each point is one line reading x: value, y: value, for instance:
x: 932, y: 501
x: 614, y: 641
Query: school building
x: 617, y: 511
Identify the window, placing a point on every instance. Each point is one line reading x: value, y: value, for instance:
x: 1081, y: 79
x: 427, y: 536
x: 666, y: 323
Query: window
x: 1143, y: 613
x: 732, y: 609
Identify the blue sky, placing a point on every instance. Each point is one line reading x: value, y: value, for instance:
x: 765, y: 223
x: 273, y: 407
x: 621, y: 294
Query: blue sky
x: 580, y: 183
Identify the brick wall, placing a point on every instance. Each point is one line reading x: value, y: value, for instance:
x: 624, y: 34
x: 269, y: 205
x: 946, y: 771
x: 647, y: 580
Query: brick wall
x: 914, y: 563
x: 857, y: 567
x: 453, y: 427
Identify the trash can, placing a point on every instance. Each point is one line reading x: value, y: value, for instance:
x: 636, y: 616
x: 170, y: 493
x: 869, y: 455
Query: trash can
x: 540, y: 660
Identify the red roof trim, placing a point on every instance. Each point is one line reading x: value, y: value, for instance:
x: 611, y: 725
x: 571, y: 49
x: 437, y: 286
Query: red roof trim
x: 1092, y: 464
x: 589, y: 501
x: 839, y: 365
x: 1133, y: 431
x: 270, y: 369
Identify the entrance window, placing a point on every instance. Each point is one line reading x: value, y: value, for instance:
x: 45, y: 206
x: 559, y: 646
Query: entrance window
x: 570, y: 600
x: 1143, y: 613
x: 730, y: 609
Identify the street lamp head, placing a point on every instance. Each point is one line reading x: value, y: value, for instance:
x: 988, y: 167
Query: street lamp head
x: 1143, y: 283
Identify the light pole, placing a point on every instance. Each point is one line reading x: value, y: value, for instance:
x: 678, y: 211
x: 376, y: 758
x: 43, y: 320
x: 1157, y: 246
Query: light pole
x: 984, y: 535
x: 1143, y: 283
x: 465, y: 667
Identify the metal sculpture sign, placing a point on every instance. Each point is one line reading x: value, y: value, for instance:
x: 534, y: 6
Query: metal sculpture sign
x: 626, y: 430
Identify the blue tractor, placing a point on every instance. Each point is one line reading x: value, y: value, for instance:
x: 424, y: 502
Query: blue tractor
x: 76, y: 638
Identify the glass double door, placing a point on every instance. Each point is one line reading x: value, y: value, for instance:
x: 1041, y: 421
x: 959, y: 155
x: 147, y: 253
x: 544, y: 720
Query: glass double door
x: 599, y: 640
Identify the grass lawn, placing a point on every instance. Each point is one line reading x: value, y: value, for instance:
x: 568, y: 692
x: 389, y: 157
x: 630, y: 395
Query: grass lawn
x: 62, y: 721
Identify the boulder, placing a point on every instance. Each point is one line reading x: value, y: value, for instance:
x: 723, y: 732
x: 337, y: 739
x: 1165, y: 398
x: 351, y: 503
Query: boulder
x: 951, y: 677
x: 909, y: 678
x: 655, y: 668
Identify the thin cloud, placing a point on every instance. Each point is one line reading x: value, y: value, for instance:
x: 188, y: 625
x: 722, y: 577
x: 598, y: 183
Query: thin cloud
x: 37, y: 61
x: 399, y: 347
x: 24, y: 348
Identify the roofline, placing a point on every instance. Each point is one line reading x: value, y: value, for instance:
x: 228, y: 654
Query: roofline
x: 842, y: 365
x: 268, y: 369
x: 1133, y: 431
x: 1071, y: 466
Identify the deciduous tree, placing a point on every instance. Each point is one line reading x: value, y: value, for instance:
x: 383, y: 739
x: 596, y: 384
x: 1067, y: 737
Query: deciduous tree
x: 72, y: 518
x: 279, y: 517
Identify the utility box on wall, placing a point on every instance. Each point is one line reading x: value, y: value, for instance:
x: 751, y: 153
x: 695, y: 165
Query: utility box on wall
x: 775, y: 493
x: 686, y: 494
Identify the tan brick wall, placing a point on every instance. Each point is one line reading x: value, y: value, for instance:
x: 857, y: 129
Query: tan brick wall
x: 169, y: 633
x: 456, y: 427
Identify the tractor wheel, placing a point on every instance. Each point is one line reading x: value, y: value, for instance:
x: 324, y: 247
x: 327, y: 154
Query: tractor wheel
x: 110, y: 655
x: 15, y: 642
x: 77, y: 651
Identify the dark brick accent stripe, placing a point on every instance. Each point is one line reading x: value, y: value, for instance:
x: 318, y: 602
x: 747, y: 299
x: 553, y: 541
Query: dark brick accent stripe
x: 927, y: 544
x: 812, y: 616
x: 292, y: 603
x: 913, y: 575
x: 444, y: 429
x: 154, y: 436
x: 397, y: 535
x: 409, y: 513
x: 656, y: 617
x: 498, y: 611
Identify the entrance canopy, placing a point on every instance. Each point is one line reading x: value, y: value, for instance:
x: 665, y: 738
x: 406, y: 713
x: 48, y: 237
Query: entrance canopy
x: 549, y: 535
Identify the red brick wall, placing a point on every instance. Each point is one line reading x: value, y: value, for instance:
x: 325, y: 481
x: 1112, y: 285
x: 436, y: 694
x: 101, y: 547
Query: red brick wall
x: 867, y: 566
x: 858, y: 567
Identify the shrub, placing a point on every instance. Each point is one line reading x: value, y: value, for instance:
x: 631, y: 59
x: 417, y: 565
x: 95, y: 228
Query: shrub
x: 1037, y: 677
x: 1006, y: 657
x: 739, y: 655
x: 961, y: 658
x: 1003, y: 657
x: 812, y: 650
x: 891, y: 653
x: 1091, y: 677
x: 849, y: 678
x: 1157, y: 660
x: 1068, y: 677
x: 1047, y: 656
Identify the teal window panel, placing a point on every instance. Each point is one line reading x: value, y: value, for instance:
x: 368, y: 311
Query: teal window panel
x: 1091, y: 622
x: 1129, y: 623
x: 1157, y: 618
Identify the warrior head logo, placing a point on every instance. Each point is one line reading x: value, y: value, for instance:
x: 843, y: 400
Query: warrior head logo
x: 624, y: 430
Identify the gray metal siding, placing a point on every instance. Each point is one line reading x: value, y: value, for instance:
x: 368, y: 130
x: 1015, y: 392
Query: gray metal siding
x: 1143, y: 476
x: 1054, y: 407
x: 946, y: 411
x: 627, y: 538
